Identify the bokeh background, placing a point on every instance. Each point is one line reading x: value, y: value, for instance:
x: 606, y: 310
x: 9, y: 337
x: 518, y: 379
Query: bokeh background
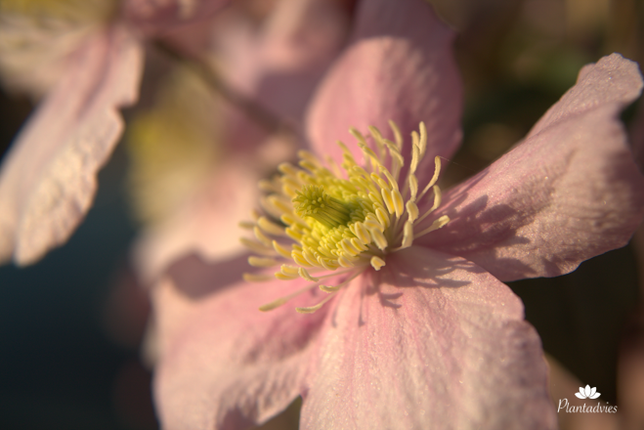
x: 71, y: 325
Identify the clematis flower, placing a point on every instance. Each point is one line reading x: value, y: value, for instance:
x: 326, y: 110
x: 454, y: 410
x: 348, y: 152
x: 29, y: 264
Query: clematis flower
x: 404, y: 320
x: 86, y: 58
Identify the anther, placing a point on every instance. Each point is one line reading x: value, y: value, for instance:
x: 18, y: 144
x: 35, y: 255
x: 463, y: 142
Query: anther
x: 377, y: 262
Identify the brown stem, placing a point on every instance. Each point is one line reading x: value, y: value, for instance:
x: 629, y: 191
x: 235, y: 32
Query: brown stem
x: 254, y: 110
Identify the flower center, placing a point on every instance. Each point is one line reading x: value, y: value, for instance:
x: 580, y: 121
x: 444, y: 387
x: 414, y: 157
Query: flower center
x: 314, y: 204
x: 334, y: 223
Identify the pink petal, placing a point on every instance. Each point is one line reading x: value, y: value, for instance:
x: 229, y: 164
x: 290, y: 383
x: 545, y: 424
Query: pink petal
x: 567, y: 193
x: 302, y: 39
x: 48, y: 179
x: 399, y: 67
x: 304, y: 34
x: 207, y: 224
x: 431, y: 342
x: 279, y: 63
x: 180, y: 291
x: 613, y: 79
x: 231, y: 365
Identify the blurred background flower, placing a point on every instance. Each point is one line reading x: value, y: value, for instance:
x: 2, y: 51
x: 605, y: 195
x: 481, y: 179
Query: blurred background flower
x: 71, y: 325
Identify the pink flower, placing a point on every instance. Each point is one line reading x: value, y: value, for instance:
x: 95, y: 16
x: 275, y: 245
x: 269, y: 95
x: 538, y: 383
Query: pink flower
x: 89, y: 66
x: 416, y: 330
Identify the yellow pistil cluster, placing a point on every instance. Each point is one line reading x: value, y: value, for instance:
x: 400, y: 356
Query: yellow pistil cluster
x: 330, y: 220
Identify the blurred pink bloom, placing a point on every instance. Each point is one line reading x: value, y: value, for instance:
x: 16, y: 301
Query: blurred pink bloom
x: 277, y: 65
x: 433, y: 339
x: 48, y: 179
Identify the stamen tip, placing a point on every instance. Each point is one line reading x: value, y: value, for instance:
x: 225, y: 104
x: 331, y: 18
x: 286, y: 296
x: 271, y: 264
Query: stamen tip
x: 377, y: 262
x: 270, y: 306
x: 251, y: 277
x: 308, y: 310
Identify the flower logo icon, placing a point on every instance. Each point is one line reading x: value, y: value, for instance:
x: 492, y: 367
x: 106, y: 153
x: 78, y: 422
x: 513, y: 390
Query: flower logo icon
x: 587, y: 393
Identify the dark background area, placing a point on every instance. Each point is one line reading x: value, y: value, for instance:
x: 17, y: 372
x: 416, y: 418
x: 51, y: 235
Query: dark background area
x: 69, y: 357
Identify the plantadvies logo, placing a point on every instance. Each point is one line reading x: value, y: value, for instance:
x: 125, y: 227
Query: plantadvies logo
x: 587, y: 393
x: 584, y: 393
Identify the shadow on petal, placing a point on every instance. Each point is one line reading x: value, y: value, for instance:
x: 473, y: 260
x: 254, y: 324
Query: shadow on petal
x: 196, y: 278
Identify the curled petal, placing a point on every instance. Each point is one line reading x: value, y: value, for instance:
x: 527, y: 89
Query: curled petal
x: 567, y: 193
x: 48, y: 179
x: 612, y: 79
x: 439, y: 344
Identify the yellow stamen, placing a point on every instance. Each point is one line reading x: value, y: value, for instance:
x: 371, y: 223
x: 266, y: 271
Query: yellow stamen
x: 252, y: 277
x: 258, y: 247
x: 279, y: 302
x: 377, y: 262
x: 281, y: 250
x: 306, y: 275
x: 311, y: 309
x: 262, y: 262
x: 270, y: 227
x: 439, y: 223
x: 346, y: 220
